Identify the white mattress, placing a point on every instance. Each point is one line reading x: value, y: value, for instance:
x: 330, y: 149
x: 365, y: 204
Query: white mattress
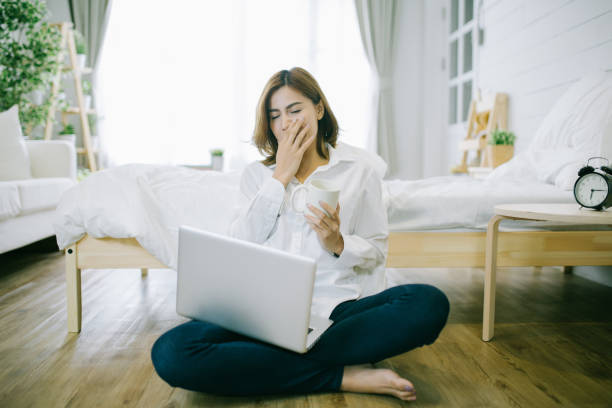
x: 459, y: 201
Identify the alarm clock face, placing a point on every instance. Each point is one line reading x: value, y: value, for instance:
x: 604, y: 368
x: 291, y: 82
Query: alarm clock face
x: 591, y: 190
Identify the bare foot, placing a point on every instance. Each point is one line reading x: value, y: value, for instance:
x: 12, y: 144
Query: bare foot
x: 365, y: 379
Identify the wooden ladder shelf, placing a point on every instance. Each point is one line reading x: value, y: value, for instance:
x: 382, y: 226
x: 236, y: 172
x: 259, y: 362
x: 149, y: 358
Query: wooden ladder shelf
x: 68, y: 44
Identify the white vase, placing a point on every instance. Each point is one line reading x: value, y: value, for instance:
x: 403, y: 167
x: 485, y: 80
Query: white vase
x: 87, y: 101
x: 217, y: 162
x: 68, y: 138
x: 81, y: 59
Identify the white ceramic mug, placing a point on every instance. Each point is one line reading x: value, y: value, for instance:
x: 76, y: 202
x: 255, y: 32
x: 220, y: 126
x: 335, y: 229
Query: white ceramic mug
x: 316, y: 190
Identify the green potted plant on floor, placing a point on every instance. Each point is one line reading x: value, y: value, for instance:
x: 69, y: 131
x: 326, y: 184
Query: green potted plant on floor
x: 500, y: 147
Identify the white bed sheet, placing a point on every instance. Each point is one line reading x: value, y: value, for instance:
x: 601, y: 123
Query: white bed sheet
x: 459, y: 201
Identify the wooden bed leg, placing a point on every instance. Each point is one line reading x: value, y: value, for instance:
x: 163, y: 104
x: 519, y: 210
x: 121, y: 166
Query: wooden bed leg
x: 73, y: 290
x: 568, y: 270
x: 488, y: 315
x: 144, y: 272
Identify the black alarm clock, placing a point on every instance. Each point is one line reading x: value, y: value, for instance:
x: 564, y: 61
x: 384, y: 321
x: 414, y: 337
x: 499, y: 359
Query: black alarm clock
x: 593, y: 189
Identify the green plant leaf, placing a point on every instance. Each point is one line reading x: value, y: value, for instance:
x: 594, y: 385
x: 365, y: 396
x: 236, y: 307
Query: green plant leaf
x: 501, y: 137
x: 28, y: 58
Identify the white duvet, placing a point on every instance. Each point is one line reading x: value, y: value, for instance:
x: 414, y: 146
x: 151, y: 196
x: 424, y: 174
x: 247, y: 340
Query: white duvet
x: 149, y: 203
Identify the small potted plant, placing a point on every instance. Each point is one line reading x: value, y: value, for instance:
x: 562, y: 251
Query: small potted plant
x: 87, y: 94
x: 68, y: 133
x: 216, y: 159
x: 92, y: 119
x: 500, y: 148
x: 81, y: 49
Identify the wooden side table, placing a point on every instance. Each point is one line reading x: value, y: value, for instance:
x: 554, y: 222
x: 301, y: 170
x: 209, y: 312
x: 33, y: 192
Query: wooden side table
x: 563, y: 213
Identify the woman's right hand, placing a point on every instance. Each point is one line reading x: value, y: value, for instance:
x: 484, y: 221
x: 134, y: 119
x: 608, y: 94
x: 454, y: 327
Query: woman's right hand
x: 292, y: 144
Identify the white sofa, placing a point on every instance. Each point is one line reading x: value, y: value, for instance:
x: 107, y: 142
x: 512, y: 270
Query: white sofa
x: 27, y: 206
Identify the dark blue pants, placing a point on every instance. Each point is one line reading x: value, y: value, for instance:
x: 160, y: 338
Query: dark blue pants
x: 201, y: 356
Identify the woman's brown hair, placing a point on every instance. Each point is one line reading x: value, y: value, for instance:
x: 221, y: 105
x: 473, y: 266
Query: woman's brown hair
x: 300, y: 80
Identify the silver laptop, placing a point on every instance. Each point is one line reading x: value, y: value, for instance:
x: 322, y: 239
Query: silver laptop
x: 257, y: 291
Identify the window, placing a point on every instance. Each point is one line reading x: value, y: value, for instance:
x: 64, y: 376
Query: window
x: 461, y: 56
x: 180, y: 80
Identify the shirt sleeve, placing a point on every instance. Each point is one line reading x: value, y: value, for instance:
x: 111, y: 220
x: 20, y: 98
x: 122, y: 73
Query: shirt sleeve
x: 263, y: 197
x: 366, y: 246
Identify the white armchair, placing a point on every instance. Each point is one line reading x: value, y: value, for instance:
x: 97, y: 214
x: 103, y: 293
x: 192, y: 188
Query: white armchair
x: 52, y: 158
x: 27, y: 206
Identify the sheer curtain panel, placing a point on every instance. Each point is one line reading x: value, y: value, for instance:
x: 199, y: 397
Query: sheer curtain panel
x: 377, y: 27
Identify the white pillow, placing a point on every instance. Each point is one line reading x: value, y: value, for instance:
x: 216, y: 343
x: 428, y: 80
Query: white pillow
x: 579, y: 118
x: 568, y: 175
x: 14, y: 159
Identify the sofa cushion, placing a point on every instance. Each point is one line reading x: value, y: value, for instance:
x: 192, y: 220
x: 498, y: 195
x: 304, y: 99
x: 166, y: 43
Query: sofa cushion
x: 10, y: 205
x: 14, y: 160
x: 41, y: 193
x: 25, y: 229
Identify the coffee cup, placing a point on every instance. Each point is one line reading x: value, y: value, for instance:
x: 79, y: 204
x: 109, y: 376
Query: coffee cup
x: 315, y: 191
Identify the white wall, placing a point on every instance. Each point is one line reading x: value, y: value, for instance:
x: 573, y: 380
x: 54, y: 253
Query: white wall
x: 434, y: 89
x: 534, y: 50
x: 419, y: 88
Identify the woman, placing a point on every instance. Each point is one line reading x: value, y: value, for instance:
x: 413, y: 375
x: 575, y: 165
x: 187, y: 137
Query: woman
x: 297, y: 132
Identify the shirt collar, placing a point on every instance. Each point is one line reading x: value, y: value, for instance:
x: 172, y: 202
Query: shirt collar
x: 338, y: 154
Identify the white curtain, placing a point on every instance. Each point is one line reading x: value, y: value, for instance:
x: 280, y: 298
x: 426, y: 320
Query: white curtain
x: 377, y: 27
x: 177, y: 79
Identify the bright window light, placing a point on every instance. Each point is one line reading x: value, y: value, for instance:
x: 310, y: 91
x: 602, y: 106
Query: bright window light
x: 176, y: 81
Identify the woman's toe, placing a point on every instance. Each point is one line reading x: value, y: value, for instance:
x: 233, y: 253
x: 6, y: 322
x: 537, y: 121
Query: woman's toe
x: 406, y: 396
x: 403, y: 384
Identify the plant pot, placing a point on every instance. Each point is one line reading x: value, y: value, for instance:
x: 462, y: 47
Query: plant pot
x: 498, y: 154
x: 81, y: 59
x: 68, y: 138
x: 87, y: 101
x: 217, y: 162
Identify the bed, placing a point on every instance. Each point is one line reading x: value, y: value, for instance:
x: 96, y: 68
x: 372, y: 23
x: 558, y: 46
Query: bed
x: 140, y: 229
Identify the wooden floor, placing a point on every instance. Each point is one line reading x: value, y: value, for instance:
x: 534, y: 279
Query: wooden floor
x: 552, y: 345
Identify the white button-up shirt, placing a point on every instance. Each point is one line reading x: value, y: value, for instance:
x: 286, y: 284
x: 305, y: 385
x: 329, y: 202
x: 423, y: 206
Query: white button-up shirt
x: 267, y: 218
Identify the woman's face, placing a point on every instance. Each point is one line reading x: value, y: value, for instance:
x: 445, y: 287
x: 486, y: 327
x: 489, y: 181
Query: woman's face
x: 287, y: 104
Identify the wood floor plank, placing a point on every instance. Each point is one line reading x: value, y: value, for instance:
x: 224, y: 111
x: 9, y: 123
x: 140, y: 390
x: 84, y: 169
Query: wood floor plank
x: 552, y: 344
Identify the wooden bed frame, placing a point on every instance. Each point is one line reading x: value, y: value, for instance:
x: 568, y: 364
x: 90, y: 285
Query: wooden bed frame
x: 406, y: 250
